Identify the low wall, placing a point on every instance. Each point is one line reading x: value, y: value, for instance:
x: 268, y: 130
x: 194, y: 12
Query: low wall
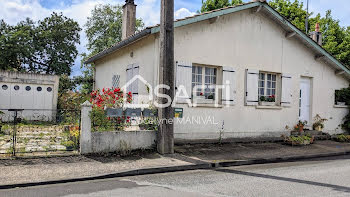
x: 115, y: 141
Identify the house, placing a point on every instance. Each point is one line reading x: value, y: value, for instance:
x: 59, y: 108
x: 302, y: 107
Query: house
x: 250, y: 48
x: 35, y: 94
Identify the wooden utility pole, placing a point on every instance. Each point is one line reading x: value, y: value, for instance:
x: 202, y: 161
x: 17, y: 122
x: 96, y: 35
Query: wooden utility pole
x: 165, y: 135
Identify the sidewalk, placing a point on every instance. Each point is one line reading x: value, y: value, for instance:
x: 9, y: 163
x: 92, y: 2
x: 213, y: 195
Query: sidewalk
x: 187, y: 157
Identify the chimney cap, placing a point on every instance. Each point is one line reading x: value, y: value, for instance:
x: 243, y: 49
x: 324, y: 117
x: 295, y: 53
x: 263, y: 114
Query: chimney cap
x: 129, y: 1
x: 317, y: 27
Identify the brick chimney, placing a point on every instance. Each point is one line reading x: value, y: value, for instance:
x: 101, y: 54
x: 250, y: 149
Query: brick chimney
x: 129, y: 19
x: 316, y: 35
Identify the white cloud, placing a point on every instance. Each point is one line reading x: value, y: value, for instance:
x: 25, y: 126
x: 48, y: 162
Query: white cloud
x: 183, y: 12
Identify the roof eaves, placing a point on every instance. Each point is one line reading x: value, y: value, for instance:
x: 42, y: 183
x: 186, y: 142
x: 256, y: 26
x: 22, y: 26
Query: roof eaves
x: 208, y: 15
x: 320, y: 49
x: 119, y: 45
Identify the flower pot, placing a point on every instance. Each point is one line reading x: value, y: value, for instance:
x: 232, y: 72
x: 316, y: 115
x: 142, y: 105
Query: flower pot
x: 202, y: 100
x: 341, y: 103
x: 264, y: 103
x: 301, y: 128
x: 318, y: 128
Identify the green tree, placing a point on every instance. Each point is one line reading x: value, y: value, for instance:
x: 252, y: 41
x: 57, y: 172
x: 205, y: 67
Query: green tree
x: 66, y: 84
x: 12, y: 40
x: 236, y: 2
x: 57, y: 38
x: 104, y: 27
x: 209, y: 5
x: 103, y: 30
x: 86, y: 79
x: 293, y: 11
x: 336, y: 39
x: 48, y: 46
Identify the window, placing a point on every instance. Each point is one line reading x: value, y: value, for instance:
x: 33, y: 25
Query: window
x: 49, y: 89
x: 340, y: 97
x: 39, y: 89
x: 115, y: 81
x: 204, y: 79
x: 4, y: 87
x: 267, y: 86
x: 16, y: 87
x: 28, y: 88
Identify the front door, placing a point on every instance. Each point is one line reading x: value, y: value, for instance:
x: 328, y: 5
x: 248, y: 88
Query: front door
x: 305, y: 100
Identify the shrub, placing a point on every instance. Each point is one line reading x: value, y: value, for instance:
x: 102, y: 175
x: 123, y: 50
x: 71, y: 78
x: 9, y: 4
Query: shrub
x: 298, y: 140
x: 69, y: 105
x: 70, y: 145
x: 108, y: 98
x: 343, y: 95
x: 342, y: 138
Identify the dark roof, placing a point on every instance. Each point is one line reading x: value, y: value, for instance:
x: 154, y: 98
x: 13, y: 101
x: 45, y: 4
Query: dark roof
x: 223, y: 11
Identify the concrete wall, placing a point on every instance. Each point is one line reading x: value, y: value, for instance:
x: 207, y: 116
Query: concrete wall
x: 243, y: 41
x: 115, y: 141
x: 111, y: 141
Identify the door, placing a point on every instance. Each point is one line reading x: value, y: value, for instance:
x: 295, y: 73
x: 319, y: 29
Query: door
x: 305, y: 100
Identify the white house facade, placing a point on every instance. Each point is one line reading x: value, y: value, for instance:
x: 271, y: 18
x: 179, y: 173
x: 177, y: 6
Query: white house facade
x: 276, y: 75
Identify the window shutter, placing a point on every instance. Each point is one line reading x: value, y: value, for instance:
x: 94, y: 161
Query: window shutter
x: 135, y: 84
x: 228, y: 80
x: 286, y: 98
x: 252, y: 80
x: 129, y: 77
x: 183, y: 81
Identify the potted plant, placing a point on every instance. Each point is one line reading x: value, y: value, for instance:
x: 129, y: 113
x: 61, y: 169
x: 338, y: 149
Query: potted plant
x: 267, y: 100
x: 203, y: 100
x: 211, y: 97
x: 300, y: 126
x: 318, y: 123
x: 201, y: 96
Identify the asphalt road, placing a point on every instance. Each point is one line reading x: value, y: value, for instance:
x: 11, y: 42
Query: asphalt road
x: 325, y: 177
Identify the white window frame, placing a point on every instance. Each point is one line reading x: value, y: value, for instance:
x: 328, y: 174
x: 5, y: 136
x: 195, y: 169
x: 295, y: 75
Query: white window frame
x: 213, y: 80
x: 273, y: 90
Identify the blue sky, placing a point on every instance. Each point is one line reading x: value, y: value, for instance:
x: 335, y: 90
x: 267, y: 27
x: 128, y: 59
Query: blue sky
x: 13, y: 11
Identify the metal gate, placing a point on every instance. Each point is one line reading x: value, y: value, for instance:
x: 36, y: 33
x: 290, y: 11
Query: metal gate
x: 39, y: 132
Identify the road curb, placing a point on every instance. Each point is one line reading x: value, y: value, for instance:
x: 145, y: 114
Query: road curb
x: 278, y: 159
x: 159, y: 170
x: 113, y: 175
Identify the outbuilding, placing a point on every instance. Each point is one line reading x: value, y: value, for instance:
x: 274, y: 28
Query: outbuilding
x: 35, y: 94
